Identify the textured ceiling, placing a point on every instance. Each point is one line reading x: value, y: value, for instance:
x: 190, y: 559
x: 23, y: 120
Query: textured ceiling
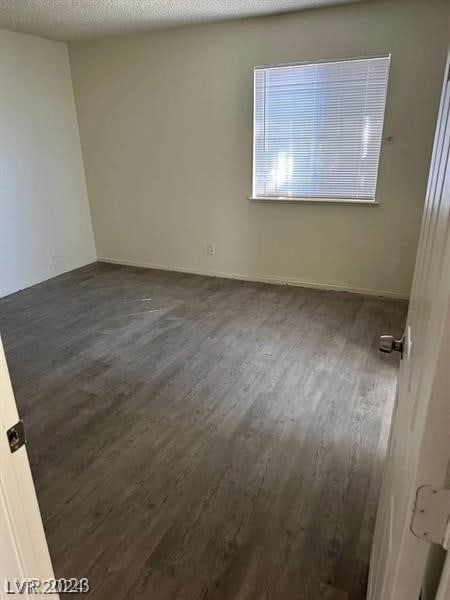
x: 70, y: 20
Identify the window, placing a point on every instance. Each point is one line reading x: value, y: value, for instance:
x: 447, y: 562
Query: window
x: 317, y: 129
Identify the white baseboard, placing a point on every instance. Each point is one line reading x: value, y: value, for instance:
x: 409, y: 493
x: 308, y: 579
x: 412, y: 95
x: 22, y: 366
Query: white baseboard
x: 276, y: 280
x: 47, y: 277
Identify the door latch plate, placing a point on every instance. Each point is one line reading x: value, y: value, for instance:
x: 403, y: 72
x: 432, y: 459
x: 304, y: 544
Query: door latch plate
x: 16, y: 436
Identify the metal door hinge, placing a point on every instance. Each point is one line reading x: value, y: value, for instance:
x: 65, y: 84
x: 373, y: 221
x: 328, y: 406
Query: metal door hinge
x: 16, y: 436
x: 431, y: 515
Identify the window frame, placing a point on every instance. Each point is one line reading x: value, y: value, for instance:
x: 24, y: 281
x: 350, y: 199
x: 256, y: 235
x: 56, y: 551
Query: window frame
x: 309, y: 200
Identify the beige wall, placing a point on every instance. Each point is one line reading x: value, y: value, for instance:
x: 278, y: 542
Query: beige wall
x: 45, y: 225
x: 166, y: 130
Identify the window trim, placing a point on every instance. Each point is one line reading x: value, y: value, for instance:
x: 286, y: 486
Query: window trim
x: 297, y: 199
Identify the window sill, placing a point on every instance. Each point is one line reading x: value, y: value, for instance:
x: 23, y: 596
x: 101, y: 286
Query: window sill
x: 287, y: 200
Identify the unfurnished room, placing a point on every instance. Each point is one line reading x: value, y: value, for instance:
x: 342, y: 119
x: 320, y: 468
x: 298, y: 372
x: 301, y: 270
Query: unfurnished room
x: 225, y: 299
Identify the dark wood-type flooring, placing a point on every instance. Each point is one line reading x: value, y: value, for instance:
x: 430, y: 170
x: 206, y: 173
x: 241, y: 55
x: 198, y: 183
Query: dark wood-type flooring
x: 195, y: 438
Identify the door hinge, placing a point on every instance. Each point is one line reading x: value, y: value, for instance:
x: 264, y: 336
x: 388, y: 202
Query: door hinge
x: 431, y: 515
x: 16, y: 436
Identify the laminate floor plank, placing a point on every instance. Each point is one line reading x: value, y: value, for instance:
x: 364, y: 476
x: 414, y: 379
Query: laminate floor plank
x: 198, y: 438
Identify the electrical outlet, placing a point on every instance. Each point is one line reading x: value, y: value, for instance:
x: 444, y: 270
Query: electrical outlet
x: 211, y: 249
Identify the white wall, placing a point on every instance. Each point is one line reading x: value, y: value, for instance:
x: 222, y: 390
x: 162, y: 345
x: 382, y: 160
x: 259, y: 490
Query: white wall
x: 45, y: 226
x: 166, y: 130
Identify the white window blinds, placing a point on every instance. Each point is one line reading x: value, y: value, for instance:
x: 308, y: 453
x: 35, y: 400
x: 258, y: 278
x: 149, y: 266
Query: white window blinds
x: 318, y: 129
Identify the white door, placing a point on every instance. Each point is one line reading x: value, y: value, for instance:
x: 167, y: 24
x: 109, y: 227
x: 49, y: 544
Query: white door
x: 23, y: 547
x: 419, y: 445
x: 443, y: 593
